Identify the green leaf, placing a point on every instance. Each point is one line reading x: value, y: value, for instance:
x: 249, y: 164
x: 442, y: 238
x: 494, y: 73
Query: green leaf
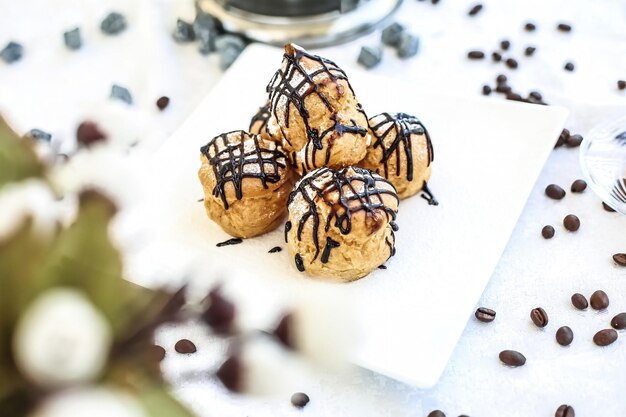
x: 18, y: 160
x: 159, y: 403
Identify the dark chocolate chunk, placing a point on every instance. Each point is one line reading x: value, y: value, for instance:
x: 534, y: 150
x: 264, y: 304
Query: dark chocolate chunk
x: 185, y: 346
x: 555, y: 192
x: 370, y: 56
x: 184, y: 32
x: 12, y: 52
x: 599, y: 300
x: 579, y: 301
x: 275, y: 249
x: 230, y: 373
x: 113, y: 24
x: 73, y: 39
x: 283, y: 331
x: 392, y: 33
x: 605, y: 337
x: 475, y: 9
x: 578, y: 186
x: 571, y: 222
x: 162, y: 102
x: 121, y: 93
x: 157, y: 353
x: 486, y: 315
x: 512, y: 358
x: 89, y: 133
x: 619, y: 321
x: 539, y: 317
x: 220, y: 315
x: 475, y: 54
x: 564, y: 336
x: 547, y: 232
x: 300, y: 399
x: 620, y: 259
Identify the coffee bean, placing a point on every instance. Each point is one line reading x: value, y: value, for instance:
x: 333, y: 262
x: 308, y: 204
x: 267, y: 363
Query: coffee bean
x: 607, y: 207
x: 512, y: 358
x: 562, y: 138
x: 505, y: 45
x: 620, y: 259
x: 300, y: 399
x: 475, y: 54
x: 579, y: 301
x: 486, y: 90
x: 503, y: 88
x: 486, y: 315
x: 619, y: 322
x: 547, y: 232
x: 564, y: 27
x: 574, y: 141
x: 157, y: 353
x: 599, y: 300
x: 530, y: 50
x: 501, y: 79
x: 475, y: 10
x: 513, y: 96
x: 89, y: 133
x: 605, y: 337
x: 163, y: 102
x: 185, y: 346
x: 571, y: 222
x: 578, y: 186
x: 621, y: 84
x: 436, y: 413
x: 539, y: 317
x: 536, y: 95
x: 530, y: 27
x: 569, y: 66
x: 511, y: 63
x: 564, y: 336
x: 555, y: 192
x: 565, y: 411
x: 496, y: 56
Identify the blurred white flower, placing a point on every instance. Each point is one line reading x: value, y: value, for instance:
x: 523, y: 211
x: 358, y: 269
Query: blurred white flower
x: 92, y: 402
x: 61, y: 339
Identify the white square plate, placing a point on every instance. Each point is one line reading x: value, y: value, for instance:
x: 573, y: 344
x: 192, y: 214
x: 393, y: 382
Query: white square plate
x: 488, y: 154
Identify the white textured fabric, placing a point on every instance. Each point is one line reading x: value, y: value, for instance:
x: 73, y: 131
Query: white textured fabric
x: 53, y: 89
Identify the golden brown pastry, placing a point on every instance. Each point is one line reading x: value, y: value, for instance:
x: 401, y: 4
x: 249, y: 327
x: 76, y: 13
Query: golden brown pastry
x: 246, y: 181
x: 315, y: 113
x: 258, y: 123
x: 401, y: 151
x: 341, y: 222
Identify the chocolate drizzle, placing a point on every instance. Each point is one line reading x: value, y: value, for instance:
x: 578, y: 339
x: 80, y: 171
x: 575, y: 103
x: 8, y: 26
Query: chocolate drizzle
x: 346, y: 192
x: 299, y: 262
x: 233, y: 241
x: 330, y: 244
x: 428, y: 195
x: 261, y: 117
x: 287, y: 229
x: 275, y: 249
x: 404, y: 126
x: 295, y: 83
x: 232, y: 161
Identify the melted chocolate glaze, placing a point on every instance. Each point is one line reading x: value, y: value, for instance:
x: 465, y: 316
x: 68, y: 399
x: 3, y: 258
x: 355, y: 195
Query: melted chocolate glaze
x: 284, y: 84
x: 330, y: 244
x: 233, y: 241
x: 287, y: 229
x: 404, y: 126
x: 382, y: 267
x: 299, y: 262
x: 428, y: 195
x: 340, y: 193
x: 275, y: 249
x: 262, y: 116
x: 229, y: 160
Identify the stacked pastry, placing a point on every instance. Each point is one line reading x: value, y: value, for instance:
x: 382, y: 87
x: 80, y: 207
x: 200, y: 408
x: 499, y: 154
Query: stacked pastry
x: 354, y: 171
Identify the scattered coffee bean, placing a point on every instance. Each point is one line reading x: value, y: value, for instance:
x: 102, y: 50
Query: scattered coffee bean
x: 434, y: 1
x: 275, y: 249
x: 496, y: 56
x: 39, y: 134
x: 121, y: 93
x: 157, y: 353
x: 564, y: 336
x: 501, y: 79
x: 555, y: 192
x: 486, y: 315
x: 162, y: 102
x: 565, y: 411
x: 370, y: 56
x: 89, y: 133
x: 72, y: 39
x: 220, y: 315
x: 562, y: 138
x: 486, y: 90
x: 536, y: 95
x: 185, y: 346
x: 408, y: 46
x: 530, y: 50
x: 564, y: 27
x: 300, y: 399
x: 599, y: 300
x: 436, y: 413
x: 113, y: 24
x: 392, y: 33
x: 184, y: 32
x: 475, y: 54
x: 233, y: 241
x: 513, y: 96
x: 503, y: 88
x: 608, y: 208
x: 571, y: 222
x: 512, y: 358
x: 619, y: 322
x: 621, y: 84
x: 505, y: 45
x: 530, y: 27
x: 511, y: 63
x: 539, y: 317
x: 574, y: 141
x: 547, y: 232
x: 605, y: 337
x: 569, y: 66
x: 12, y: 52
x: 578, y: 186
x: 475, y: 10
x: 579, y: 301
x: 620, y: 259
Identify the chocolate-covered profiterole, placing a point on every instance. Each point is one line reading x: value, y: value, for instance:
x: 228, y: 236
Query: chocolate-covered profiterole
x: 258, y: 123
x: 314, y: 112
x: 401, y: 151
x: 341, y: 222
x: 246, y: 181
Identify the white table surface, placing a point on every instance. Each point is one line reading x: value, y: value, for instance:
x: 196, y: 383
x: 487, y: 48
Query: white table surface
x: 53, y: 89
